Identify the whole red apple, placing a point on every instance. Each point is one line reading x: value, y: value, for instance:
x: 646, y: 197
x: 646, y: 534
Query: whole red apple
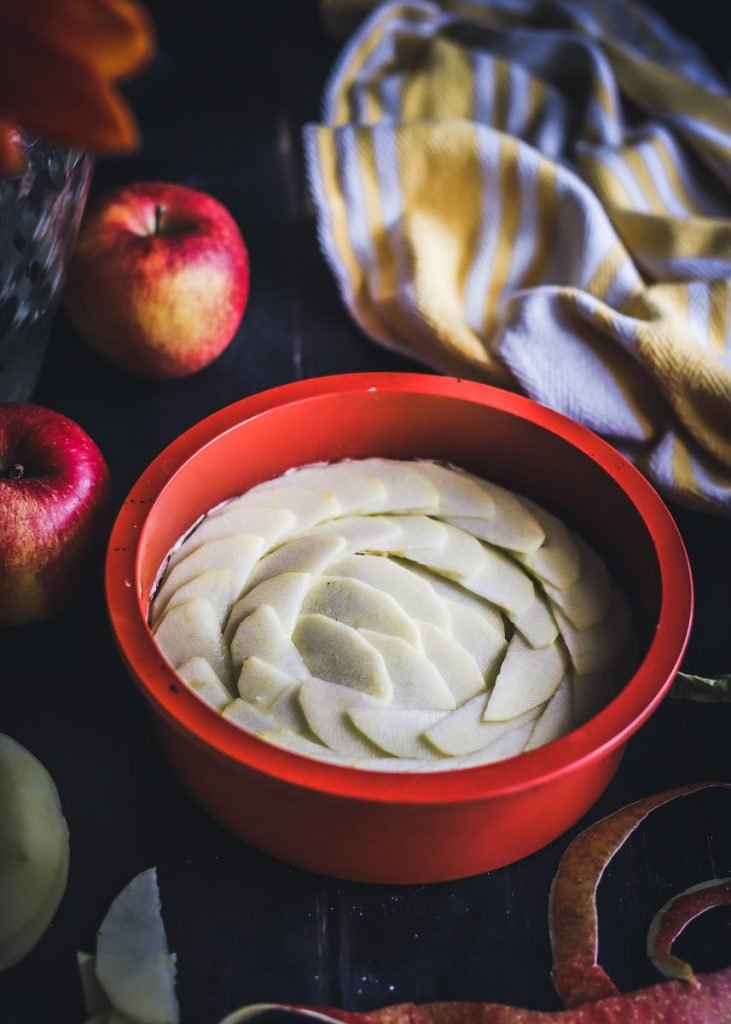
x: 54, y: 485
x: 159, y: 279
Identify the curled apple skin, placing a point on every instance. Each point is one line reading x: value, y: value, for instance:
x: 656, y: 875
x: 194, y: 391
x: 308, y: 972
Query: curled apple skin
x: 572, y: 913
x: 676, y: 915
x: 588, y: 993
x: 670, y: 1002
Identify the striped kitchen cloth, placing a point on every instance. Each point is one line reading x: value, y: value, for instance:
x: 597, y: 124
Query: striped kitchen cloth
x: 536, y: 193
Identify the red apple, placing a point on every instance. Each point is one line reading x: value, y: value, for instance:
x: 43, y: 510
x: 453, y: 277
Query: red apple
x: 159, y: 279
x: 54, y: 485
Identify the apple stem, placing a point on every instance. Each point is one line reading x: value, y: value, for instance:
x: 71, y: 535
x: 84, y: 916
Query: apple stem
x: 159, y: 213
x: 14, y: 472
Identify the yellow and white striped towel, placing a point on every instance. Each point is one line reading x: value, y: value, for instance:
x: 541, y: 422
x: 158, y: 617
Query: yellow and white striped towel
x: 537, y: 193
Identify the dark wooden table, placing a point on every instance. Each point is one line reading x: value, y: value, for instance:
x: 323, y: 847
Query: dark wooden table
x: 222, y: 110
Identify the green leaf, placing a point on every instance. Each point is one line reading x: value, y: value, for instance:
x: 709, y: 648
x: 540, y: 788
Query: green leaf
x: 690, y: 687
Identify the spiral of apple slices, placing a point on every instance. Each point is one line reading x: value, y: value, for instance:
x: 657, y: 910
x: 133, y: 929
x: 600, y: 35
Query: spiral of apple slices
x: 393, y: 615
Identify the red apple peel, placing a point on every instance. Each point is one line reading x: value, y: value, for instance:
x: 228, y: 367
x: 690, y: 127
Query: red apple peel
x: 572, y: 916
x: 589, y: 994
x: 676, y: 915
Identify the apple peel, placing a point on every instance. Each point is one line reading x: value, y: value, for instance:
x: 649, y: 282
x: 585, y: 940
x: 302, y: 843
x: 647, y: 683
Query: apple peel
x: 675, y: 916
x: 588, y: 993
x: 572, y: 914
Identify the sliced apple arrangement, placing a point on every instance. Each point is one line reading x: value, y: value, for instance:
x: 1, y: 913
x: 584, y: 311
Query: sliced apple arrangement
x: 387, y: 614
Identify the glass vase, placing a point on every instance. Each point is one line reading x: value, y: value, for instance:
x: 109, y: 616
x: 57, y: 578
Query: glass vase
x: 40, y: 212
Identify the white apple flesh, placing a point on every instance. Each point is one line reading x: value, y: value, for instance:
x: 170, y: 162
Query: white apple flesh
x: 34, y: 851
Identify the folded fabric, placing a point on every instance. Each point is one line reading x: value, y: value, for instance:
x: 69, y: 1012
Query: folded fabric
x: 536, y: 193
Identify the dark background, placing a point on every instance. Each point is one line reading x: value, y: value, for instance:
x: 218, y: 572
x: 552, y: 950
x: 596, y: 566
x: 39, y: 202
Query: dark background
x: 222, y: 110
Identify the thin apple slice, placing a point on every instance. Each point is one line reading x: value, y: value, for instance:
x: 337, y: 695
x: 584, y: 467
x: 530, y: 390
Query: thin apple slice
x: 510, y: 744
x: 454, y: 591
x: 407, y: 489
x: 397, y: 731
x: 95, y: 998
x: 261, y: 683
x: 301, y: 745
x: 528, y: 677
x: 308, y: 507
x: 261, y: 635
x: 457, y: 667
x: 537, y: 625
x: 586, y: 602
x: 457, y: 557
x: 284, y: 713
x: 465, y: 730
x: 361, y: 606
x: 475, y: 624
x: 410, y: 591
x: 339, y: 654
x: 596, y: 648
x: 459, y: 493
x: 416, y: 531
x: 325, y: 706
x: 477, y: 635
x: 133, y: 963
x: 356, y: 489
x: 271, y: 524
x: 557, y: 560
x: 242, y: 713
x: 235, y: 555
x: 284, y: 594
x: 498, y: 579
x: 286, y: 710
x: 216, y: 586
x: 200, y: 677
x: 193, y: 630
x: 415, y: 680
x: 400, y: 764
x: 498, y: 532
x: 557, y: 717
x: 361, y: 533
x: 311, y: 554
x: 511, y: 526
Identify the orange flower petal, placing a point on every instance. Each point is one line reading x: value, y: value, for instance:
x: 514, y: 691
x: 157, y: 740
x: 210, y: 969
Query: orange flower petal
x: 64, y: 101
x: 58, y: 62
x: 115, y: 37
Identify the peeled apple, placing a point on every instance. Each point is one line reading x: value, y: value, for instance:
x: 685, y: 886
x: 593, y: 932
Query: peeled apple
x: 34, y: 851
